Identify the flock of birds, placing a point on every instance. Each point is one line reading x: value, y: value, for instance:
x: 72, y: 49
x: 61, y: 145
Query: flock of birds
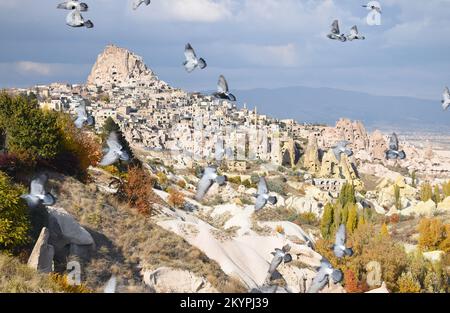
x: 115, y: 152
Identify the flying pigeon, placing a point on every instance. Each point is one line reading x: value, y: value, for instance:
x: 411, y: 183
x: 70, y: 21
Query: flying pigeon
x: 446, y: 101
x: 192, y: 62
x: 372, y: 5
x: 336, y: 33
x: 137, y: 3
x: 341, y: 147
x: 111, y: 285
x: 354, y: 34
x: 114, y: 152
x: 37, y: 193
x: 75, y: 19
x: 393, y: 152
x: 339, y: 248
x: 323, y: 275
x: 280, y: 255
x: 209, y: 177
x: 83, y: 117
x: 73, y: 5
x: 262, y: 197
x: 222, y: 90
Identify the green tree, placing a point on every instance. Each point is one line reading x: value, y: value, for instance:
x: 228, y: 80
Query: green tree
x: 347, y: 194
x: 437, y: 195
x: 327, y: 221
x: 14, y: 219
x: 30, y: 132
x: 398, y: 202
x: 352, y: 220
x: 446, y: 189
x: 426, y: 193
x: 413, y: 179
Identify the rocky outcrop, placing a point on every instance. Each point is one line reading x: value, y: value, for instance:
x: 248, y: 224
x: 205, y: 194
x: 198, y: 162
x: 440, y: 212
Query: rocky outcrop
x: 343, y: 169
x: 353, y: 132
x: 119, y: 67
x: 41, y: 258
x: 311, y: 158
x: 170, y: 280
x: 381, y: 289
x: 378, y: 145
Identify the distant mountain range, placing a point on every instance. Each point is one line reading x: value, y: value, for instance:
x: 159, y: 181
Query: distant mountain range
x: 327, y: 105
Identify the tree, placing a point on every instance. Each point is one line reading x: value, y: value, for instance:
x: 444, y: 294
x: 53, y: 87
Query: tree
x: 31, y: 133
x: 14, y: 220
x: 413, y: 179
x: 446, y: 189
x: 432, y: 233
x: 352, y: 220
x: 176, y: 198
x: 437, y: 195
x: 398, y: 202
x: 347, y: 194
x: 351, y: 282
x: 384, y: 231
x: 327, y: 221
x: 426, y: 192
x: 138, y: 190
x: 407, y: 283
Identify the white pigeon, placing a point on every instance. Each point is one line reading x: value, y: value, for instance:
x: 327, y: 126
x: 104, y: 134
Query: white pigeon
x: 341, y: 147
x: 339, y: 248
x: 373, y: 5
x: 336, y: 33
x: 75, y: 19
x: 83, y: 117
x: 192, y: 62
x: 325, y: 271
x: 208, y: 179
x: 354, y: 34
x: 262, y: 197
x: 279, y: 256
x: 114, y: 152
x: 137, y: 3
x: 73, y: 5
x: 446, y: 101
x: 223, y: 91
x: 37, y: 194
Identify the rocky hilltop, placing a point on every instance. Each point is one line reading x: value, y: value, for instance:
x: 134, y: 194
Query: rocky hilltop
x: 119, y: 67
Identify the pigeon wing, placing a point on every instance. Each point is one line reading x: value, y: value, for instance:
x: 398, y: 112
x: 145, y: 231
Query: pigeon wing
x: 393, y: 142
x: 203, y: 186
x: 260, y: 202
x: 319, y: 281
x: 110, y: 157
x: 354, y: 31
x: 113, y: 142
x: 37, y: 185
x: 276, y: 261
x: 335, y: 28
x: 189, y: 53
x: 262, y: 186
x: 222, y: 85
x: 446, y: 94
x: 340, y: 236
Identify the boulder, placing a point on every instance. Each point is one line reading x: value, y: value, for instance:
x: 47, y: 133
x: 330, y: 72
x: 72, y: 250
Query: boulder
x: 41, y: 258
x: 444, y: 205
x: 70, y: 229
x: 170, y: 280
x: 421, y: 209
x: 311, y: 158
x: 381, y: 289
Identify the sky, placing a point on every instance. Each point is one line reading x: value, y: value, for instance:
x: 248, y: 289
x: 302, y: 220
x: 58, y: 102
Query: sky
x: 254, y: 43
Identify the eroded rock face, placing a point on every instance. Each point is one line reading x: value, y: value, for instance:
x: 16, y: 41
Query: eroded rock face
x: 170, y: 280
x: 353, y: 132
x: 41, y: 258
x: 311, y: 159
x: 378, y: 145
x: 119, y: 67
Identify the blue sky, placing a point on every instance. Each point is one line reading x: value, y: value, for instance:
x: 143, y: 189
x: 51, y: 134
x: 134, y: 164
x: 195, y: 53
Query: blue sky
x: 254, y: 43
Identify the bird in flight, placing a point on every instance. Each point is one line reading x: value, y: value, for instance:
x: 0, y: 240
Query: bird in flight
x: 336, y: 32
x: 114, y: 151
x: 37, y: 194
x: 137, y: 3
x: 208, y: 179
x: 223, y: 91
x: 354, y: 34
x: 394, y: 152
x: 262, y: 197
x: 446, y: 99
x: 192, y: 62
x: 339, y: 248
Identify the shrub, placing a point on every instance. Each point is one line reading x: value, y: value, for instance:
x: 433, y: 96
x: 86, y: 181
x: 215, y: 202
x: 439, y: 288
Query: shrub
x: 276, y: 185
x: 437, y: 195
x: 176, y: 198
x: 433, y: 234
x: 234, y: 180
x: 398, y: 203
x: 426, y: 192
x: 62, y: 282
x: 14, y: 219
x: 279, y: 229
x: 181, y: 183
x: 138, y: 190
x: 162, y: 178
x: 408, y: 284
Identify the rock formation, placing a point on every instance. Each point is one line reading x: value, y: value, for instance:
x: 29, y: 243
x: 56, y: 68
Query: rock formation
x: 354, y: 132
x: 119, y: 67
x: 311, y: 158
x: 378, y: 145
x: 41, y: 258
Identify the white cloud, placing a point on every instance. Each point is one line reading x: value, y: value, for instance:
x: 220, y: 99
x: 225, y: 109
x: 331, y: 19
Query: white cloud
x: 27, y: 67
x: 269, y: 55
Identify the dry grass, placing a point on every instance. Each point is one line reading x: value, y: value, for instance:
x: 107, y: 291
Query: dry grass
x: 16, y: 277
x: 127, y: 241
